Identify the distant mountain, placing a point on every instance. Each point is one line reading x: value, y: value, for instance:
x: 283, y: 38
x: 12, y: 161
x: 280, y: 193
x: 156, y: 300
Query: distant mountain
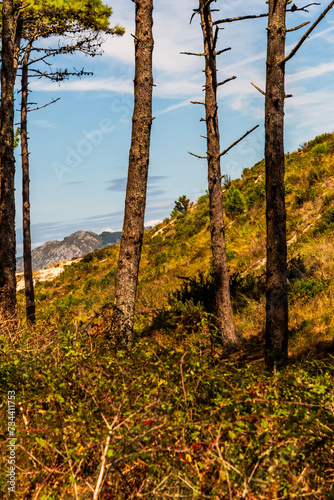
x: 76, y: 245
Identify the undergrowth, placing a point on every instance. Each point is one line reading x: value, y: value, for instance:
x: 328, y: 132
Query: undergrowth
x: 172, y: 418
x: 175, y: 417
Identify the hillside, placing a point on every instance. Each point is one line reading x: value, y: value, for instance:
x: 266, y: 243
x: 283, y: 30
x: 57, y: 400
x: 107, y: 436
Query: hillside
x: 178, y: 250
x: 73, y: 246
x: 176, y: 416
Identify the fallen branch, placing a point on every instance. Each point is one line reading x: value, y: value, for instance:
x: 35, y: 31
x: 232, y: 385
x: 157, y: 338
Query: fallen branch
x: 102, y: 469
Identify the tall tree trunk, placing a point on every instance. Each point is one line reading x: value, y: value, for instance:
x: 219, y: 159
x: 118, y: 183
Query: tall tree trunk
x: 28, y: 279
x: 9, y: 55
x: 225, y: 319
x: 133, y: 227
x: 276, y: 346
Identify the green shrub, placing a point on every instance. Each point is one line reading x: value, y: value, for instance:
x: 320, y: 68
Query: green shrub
x: 309, y: 287
x: 256, y: 193
x: 108, y: 279
x: 326, y: 223
x: 201, y: 290
x: 234, y: 201
x: 315, y: 175
x: 319, y: 150
x: 303, y: 195
x: 90, y: 284
x: 327, y: 199
x: 297, y: 269
x: 319, y: 139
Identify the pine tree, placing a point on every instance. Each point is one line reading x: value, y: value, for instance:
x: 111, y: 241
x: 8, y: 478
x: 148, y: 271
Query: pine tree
x: 10, y: 37
x: 133, y: 226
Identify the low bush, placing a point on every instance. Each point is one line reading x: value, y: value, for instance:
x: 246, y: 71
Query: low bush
x: 326, y: 223
x: 304, y: 195
x: 234, y: 201
x: 163, y: 422
x: 308, y: 287
x: 255, y: 194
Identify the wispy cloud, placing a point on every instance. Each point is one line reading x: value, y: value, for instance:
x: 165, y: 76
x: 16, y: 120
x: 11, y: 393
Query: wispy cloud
x: 119, y: 185
x: 42, y: 123
x: 311, y: 72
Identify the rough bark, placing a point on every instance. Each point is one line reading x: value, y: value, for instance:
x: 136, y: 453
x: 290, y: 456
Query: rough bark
x: 133, y: 226
x: 276, y: 345
x: 9, y: 56
x: 28, y: 278
x: 225, y: 319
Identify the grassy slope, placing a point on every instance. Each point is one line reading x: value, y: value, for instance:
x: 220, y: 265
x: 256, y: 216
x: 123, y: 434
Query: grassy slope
x: 183, y: 420
x: 181, y: 247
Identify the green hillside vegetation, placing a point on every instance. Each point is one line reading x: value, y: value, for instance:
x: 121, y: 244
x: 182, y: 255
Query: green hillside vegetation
x: 185, y: 420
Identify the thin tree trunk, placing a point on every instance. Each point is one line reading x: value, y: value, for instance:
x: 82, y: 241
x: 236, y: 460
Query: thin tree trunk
x: 133, y: 227
x: 276, y: 345
x: 225, y: 319
x: 9, y: 54
x: 28, y: 279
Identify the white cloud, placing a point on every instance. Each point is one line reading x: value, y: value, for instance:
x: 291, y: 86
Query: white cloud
x: 311, y: 72
x: 87, y: 84
x: 180, y: 77
x: 42, y: 123
x: 152, y: 222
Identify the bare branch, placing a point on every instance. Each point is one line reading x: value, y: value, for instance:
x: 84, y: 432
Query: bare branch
x: 221, y: 51
x: 44, y: 105
x: 197, y: 102
x: 197, y: 156
x: 257, y: 16
x: 215, y: 39
x: 298, y: 27
x: 262, y: 91
x: 308, y: 32
x: 258, y: 88
x: 191, y: 54
x: 237, y: 142
x: 226, y: 81
x: 241, y: 18
x: 294, y: 9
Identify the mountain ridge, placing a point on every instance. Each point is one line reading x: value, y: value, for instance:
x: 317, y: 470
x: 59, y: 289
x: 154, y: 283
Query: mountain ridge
x: 73, y: 246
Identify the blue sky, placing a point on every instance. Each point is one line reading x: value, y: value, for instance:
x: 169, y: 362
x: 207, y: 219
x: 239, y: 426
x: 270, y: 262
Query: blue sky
x: 79, y: 146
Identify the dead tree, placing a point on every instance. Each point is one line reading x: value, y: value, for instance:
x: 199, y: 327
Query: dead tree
x: 11, y: 33
x: 133, y: 226
x: 276, y: 348
x: 224, y: 311
x: 276, y: 337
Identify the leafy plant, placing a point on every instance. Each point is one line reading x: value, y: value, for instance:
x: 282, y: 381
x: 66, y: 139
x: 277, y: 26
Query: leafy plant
x: 326, y: 223
x: 308, y: 287
x: 303, y: 195
x: 234, y: 201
